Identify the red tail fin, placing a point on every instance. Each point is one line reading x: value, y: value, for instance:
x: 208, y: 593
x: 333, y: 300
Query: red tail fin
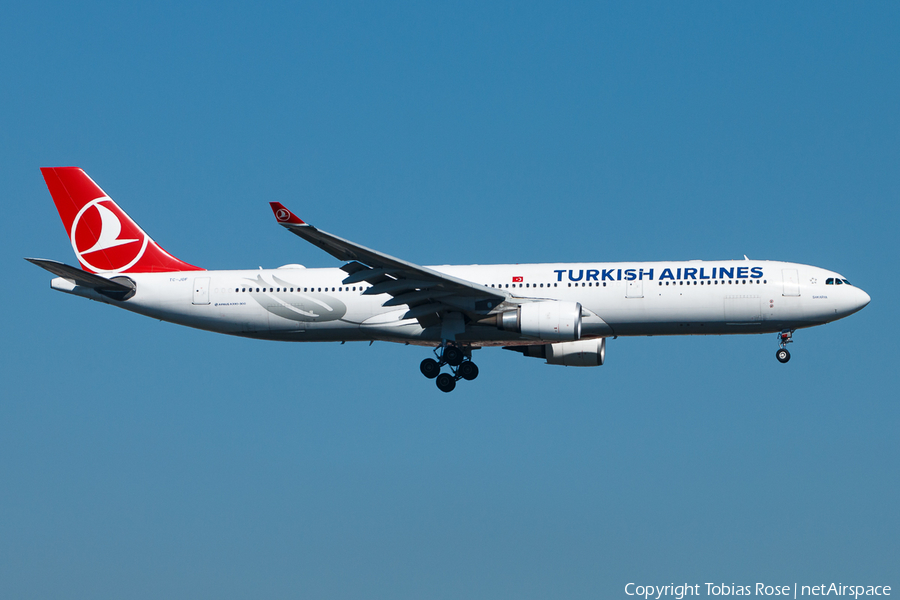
x: 105, y: 239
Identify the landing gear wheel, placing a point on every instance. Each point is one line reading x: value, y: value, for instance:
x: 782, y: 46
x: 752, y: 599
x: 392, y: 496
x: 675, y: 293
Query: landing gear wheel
x: 446, y: 382
x: 783, y: 355
x: 453, y: 356
x: 468, y: 370
x: 430, y: 368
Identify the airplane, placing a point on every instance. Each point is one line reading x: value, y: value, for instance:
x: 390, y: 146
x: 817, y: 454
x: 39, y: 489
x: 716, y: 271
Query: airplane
x: 560, y: 312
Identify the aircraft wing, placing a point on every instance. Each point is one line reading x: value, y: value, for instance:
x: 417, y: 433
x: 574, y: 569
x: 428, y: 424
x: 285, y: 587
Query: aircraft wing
x: 426, y: 292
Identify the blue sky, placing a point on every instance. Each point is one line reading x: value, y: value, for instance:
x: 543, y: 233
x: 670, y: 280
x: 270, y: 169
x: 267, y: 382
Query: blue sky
x: 139, y: 459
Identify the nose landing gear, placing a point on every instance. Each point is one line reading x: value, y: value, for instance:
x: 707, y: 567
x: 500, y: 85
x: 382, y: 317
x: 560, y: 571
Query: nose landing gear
x: 784, y: 338
x: 460, y: 362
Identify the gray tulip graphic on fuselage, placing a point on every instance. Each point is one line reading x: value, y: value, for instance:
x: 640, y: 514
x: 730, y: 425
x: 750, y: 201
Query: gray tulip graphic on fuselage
x: 296, y: 306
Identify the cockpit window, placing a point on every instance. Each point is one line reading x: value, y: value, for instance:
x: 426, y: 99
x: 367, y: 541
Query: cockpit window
x: 837, y: 281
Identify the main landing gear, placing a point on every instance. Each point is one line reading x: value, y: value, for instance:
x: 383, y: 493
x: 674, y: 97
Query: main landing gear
x: 784, y: 338
x: 460, y: 362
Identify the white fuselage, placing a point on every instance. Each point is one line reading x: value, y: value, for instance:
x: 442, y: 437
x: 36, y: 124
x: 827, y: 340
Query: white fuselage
x: 659, y: 298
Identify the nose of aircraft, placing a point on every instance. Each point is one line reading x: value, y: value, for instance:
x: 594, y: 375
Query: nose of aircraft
x: 851, y: 300
x: 848, y: 300
x: 861, y: 299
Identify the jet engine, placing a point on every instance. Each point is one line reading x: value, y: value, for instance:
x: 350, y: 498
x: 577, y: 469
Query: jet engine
x: 583, y: 353
x: 544, y: 320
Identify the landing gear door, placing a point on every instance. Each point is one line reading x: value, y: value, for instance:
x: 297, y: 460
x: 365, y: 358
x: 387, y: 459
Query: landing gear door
x: 791, y: 282
x: 201, y: 290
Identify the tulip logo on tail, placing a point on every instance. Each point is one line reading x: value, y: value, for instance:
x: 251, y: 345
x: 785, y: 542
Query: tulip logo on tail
x: 105, y: 239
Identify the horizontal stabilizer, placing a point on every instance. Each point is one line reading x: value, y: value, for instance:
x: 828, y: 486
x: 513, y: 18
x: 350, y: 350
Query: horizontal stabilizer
x: 83, y: 278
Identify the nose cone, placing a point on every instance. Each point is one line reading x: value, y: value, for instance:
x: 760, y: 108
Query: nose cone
x: 861, y: 298
x: 849, y: 300
x: 846, y: 300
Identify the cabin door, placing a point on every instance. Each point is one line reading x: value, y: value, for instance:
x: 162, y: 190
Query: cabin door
x: 791, y: 282
x: 201, y: 290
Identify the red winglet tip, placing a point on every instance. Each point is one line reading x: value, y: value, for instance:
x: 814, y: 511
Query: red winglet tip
x: 283, y: 215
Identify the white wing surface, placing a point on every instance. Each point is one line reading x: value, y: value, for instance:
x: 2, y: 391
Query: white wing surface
x: 429, y: 294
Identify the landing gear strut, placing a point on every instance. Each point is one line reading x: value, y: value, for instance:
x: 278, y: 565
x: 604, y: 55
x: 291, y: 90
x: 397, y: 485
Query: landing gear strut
x: 460, y: 362
x: 784, y: 338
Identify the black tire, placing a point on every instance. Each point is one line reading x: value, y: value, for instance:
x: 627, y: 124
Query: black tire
x: 445, y: 382
x: 430, y: 368
x: 783, y: 355
x: 453, y: 356
x: 468, y: 370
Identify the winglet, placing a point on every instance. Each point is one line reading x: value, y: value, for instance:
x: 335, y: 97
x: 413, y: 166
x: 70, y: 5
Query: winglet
x: 284, y: 216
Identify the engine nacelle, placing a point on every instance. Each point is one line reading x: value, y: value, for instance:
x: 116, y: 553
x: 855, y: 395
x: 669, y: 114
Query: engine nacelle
x: 544, y: 320
x: 583, y: 353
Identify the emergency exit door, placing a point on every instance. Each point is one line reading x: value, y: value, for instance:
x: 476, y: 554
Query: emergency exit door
x: 634, y: 289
